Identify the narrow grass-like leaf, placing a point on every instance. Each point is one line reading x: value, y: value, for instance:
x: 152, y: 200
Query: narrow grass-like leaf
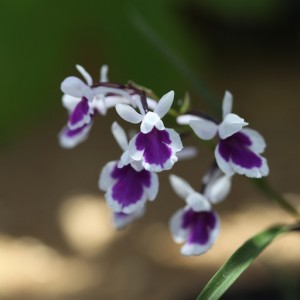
x: 240, y: 261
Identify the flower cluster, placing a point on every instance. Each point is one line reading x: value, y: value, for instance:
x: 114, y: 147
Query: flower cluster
x: 132, y: 179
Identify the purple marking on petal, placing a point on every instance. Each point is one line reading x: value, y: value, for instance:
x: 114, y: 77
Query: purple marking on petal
x: 155, y: 146
x: 130, y: 184
x: 81, y: 110
x: 199, y: 224
x: 71, y: 133
x: 235, y: 148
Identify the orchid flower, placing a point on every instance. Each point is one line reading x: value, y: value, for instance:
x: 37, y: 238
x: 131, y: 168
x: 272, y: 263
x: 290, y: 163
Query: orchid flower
x: 128, y: 186
x: 155, y: 146
x: 197, y: 225
x: 239, y: 149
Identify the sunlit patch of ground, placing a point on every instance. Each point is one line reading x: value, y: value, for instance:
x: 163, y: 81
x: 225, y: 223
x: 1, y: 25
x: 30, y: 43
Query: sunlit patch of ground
x: 29, y: 267
x: 85, y: 223
x: 134, y: 263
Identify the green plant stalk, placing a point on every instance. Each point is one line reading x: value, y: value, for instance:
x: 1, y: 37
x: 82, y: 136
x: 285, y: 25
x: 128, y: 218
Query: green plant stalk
x: 269, y: 191
x: 241, y: 260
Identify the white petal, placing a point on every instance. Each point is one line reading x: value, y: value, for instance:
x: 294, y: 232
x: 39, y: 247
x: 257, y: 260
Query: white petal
x: 204, y: 129
x: 258, y: 142
x: 103, y: 73
x: 122, y: 221
x: 231, y: 124
x: 150, y: 120
x: 198, y: 202
x: 218, y: 190
x: 180, y: 186
x: 73, y: 86
x: 112, y: 101
x: 125, y: 160
x: 189, y: 249
x: 88, y: 93
x: 98, y: 104
x: 179, y: 234
x: 153, y: 189
x: 175, y: 139
x: 85, y: 75
x: 105, y: 179
x: 133, y: 152
x: 187, y: 153
x: 227, y: 103
x: 186, y: 119
x: 137, y: 165
x: 164, y: 104
x: 70, y: 102
x: 151, y: 103
x: 120, y: 135
x: 128, y: 113
x: 222, y: 163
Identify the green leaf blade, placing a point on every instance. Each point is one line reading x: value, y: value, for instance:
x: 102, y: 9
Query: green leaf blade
x: 240, y: 261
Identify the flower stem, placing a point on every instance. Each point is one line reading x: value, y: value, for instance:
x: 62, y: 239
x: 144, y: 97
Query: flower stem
x: 269, y: 191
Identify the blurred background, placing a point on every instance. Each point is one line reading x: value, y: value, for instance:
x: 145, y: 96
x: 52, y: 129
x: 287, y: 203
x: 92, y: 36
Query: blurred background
x: 56, y: 238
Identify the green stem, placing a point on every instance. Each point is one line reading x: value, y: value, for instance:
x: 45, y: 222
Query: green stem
x: 269, y: 191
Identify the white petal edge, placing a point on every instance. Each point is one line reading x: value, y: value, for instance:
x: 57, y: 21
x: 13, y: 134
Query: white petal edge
x: 70, y: 102
x: 180, y: 186
x: 254, y: 172
x: 227, y: 104
x: 98, y: 103
x: 151, y: 103
x: 73, y: 86
x: 258, y: 142
x: 164, y: 104
x: 120, y: 135
x: 178, y: 233
x: 204, y: 129
x: 103, y: 73
x: 68, y: 142
x: 121, y: 222
x: 105, y: 179
x: 129, y: 209
x: 154, y: 186
x: 189, y: 152
x: 231, y: 124
x: 133, y: 152
x: 128, y: 113
x: 218, y: 189
x: 176, y: 144
x: 186, y: 119
x: 86, y: 119
x: 85, y: 74
x: 222, y: 163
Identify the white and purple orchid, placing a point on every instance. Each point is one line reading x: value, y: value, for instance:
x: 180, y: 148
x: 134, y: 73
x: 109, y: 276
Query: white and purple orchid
x: 128, y: 186
x: 197, y: 225
x: 155, y: 146
x: 239, y: 149
x: 84, y: 100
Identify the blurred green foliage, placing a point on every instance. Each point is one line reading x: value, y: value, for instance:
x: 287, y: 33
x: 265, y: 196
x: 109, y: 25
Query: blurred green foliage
x: 145, y: 41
